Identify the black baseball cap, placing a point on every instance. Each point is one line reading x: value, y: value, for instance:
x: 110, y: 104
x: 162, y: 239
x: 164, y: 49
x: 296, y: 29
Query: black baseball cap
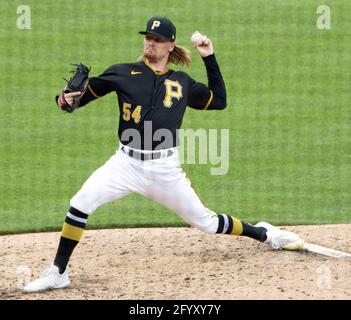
x: 161, y: 27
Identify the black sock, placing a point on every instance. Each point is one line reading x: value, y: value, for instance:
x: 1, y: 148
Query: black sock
x: 72, y: 231
x: 257, y: 233
x: 64, y: 252
x: 231, y: 225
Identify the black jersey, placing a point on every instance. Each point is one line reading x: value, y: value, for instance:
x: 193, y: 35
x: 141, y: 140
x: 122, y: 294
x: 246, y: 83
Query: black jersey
x: 152, y: 103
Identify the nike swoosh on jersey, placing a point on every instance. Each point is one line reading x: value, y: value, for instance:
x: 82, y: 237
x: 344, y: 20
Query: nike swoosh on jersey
x: 135, y: 72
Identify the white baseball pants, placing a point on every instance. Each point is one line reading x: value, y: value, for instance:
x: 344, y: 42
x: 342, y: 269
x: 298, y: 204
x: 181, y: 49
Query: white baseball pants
x: 162, y: 180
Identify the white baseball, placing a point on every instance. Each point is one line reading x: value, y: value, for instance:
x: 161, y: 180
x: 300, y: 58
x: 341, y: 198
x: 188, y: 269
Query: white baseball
x: 197, y: 38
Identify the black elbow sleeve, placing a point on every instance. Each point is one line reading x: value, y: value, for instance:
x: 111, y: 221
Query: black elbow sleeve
x: 218, y: 103
x: 223, y: 103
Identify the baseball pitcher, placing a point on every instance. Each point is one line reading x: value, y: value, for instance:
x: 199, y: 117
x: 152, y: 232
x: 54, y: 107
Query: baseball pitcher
x: 152, y: 101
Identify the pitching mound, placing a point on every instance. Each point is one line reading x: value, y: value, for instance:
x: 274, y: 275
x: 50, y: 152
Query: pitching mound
x: 180, y: 263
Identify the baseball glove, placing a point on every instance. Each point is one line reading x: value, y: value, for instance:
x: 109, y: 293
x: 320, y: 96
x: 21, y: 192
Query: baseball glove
x: 77, y: 83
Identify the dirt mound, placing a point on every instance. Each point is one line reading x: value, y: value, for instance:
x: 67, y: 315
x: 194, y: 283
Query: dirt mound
x: 180, y: 263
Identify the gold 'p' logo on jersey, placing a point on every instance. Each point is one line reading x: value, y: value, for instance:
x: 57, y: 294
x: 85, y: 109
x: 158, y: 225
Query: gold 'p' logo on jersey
x: 155, y: 24
x: 173, y: 90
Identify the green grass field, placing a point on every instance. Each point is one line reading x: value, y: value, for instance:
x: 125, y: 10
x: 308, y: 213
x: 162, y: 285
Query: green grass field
x: 288, y: 109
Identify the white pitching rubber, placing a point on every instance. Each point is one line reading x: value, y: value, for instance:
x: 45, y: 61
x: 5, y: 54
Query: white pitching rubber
x: 310, y: 247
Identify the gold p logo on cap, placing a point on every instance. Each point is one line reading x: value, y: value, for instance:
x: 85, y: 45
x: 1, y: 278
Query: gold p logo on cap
x: 155, y: 24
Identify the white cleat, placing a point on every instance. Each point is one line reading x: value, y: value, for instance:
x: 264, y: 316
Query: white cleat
x: 281, y: 239
x: 49, y: 279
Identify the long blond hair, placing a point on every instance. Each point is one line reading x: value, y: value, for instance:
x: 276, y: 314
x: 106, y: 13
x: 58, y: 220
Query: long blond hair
x: 179, y: 56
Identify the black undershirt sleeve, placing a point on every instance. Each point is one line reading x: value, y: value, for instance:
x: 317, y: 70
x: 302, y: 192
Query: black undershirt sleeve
x: 100, y: 86
x: 213, y: 96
